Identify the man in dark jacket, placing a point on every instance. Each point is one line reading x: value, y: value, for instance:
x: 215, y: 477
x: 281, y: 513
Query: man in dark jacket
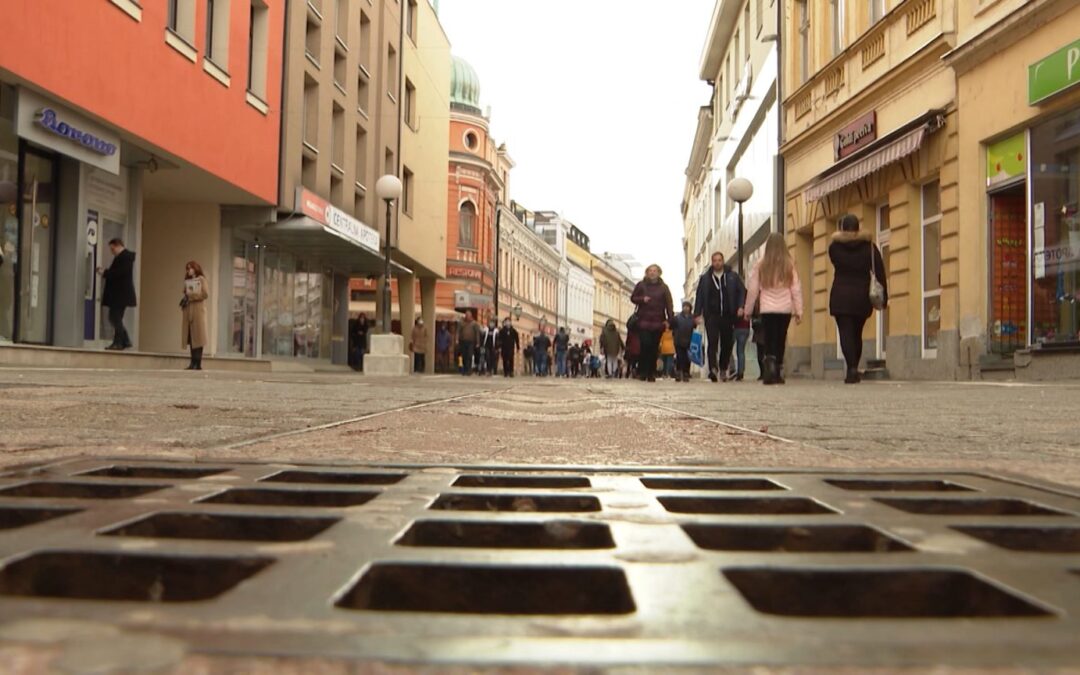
x: 541, y: 347
x: 508, y: 345
x: 119, y: 292
x: 468, y: 337
x: 720, y: 297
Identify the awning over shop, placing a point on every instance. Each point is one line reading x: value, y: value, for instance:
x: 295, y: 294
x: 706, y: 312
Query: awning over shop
x: 307, y: 237
x: 368, y: 307
x: 875, y: 157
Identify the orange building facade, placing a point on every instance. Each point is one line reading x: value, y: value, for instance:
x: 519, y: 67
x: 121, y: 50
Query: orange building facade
x: 151, y: 122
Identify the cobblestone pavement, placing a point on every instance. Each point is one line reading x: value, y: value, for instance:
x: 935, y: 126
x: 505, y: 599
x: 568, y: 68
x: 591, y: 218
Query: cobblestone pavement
x: 1024, y: 429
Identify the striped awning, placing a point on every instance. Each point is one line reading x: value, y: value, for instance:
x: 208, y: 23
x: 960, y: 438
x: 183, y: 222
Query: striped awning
x: 878, y: 159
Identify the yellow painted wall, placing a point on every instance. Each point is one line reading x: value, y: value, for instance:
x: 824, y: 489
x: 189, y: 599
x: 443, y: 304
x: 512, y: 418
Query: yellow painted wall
x: 172, y: 234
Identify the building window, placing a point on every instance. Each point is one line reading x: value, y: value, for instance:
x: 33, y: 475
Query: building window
x: 735, y: 46
x: 361, y: 156
x: 471, y: 140
x: 217, y: 32
x: 365, y: 41
x: 410, y: 104
x: 760, y: 15
x: 257, y: 46
x: 341, y: 21
x: 410, y: 19
x: 837, y: 14
x: 407, y: 190
x: 313, y: 39
x: 931, y: 265
x: 337, y: 138
x: 311, y: 111
x: 391, y: 72
x: 467, y: 225
x: 363, y: 93
x: 746, y: 30
x: 877, y: 11
x: 803, y: 23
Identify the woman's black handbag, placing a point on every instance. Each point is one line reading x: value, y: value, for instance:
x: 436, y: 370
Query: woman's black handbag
x: 184, y: 302
x: 632, y: 322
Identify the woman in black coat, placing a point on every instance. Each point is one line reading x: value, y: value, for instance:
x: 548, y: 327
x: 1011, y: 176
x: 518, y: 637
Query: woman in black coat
x: 851, y: 253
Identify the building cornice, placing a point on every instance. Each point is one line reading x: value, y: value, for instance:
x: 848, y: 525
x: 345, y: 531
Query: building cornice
x: 1004, y: 33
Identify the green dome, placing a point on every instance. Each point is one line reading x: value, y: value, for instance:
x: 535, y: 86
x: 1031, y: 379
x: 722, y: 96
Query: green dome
x: 464, y: 85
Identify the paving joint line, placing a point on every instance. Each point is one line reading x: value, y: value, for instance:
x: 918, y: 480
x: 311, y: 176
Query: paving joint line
x: 340, y: 423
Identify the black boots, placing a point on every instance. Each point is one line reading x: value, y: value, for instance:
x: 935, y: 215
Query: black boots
x: 196, y: 359
x: 853, y: 376
x: 773, y: 372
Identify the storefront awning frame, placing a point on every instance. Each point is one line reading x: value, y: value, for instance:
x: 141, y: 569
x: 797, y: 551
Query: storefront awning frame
x: 890, y: 149
x: 307, y: 237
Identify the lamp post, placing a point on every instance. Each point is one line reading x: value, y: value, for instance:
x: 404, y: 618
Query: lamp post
x: 388, y: 188
x: 740, y: 190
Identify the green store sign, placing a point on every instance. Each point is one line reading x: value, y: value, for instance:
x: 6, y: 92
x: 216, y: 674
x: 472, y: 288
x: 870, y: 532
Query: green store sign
x: 1054, y: 74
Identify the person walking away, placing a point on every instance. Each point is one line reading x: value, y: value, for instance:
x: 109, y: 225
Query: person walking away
x: 119, y: 292
x: 682, y: 334
x: 491, y: 348
x: 530, y: 359
x: 541, y: 347
x: 667, y: 353
x: 611, y: 345
x: 718, y: 304
x: 652, y: 298
x: 573, y: 358
x: 359, y: 339
x: 419, y: 346
x: 509, y: 343
x: 193, y: 306
x: 562, y: 348
x: 854, y: 257
x: 633, y: 353
x: 443, y: 342
x: 742, y: 336
x: 468, y: 338
x: 774, y: 283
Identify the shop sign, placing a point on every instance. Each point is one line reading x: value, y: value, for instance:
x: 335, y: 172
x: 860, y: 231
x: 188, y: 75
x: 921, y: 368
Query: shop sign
x: 336, y: 221
x: 1054, y: 74
x: 1005, y: 160
x: 464, y: 272
x: 467, y: 300
x: 57, y: 128
x: 856, y: 136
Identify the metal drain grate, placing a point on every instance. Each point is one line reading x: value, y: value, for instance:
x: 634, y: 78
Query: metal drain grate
x: 527, y: 565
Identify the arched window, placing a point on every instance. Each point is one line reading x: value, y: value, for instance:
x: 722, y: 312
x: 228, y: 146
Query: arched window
x: 467, y: 225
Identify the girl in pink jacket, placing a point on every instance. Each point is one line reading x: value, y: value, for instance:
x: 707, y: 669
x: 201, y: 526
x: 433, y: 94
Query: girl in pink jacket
x: 774, y: 283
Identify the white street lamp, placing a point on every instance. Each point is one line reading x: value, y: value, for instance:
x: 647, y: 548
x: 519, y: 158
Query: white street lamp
x: 740, y: 190
x: 388, y: 188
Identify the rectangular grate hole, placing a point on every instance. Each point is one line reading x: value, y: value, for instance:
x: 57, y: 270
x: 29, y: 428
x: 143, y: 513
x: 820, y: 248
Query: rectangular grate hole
x: 794, y: 539
x: 970, y: 507
x: 909, y: 593
x: 14, y: 517
x: 710, y: 484
x: 744, y: 505
x: 1035, y: 539
x: 539, y: 482
x: 904, y: 485
x: 555, y: 534
x: 61, y: 490
x: 225, y: 527
x: 517, y: 503
x: 154, y: 472
x: 312, y: 498
x: 333, y: 478
x: 121, y: 576
x: 462, y: 589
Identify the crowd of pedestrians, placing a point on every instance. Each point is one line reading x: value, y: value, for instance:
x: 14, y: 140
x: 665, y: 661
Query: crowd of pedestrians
x: 660, y: 343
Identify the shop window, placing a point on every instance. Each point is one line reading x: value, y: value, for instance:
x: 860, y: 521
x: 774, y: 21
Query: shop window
x: 257, y: 48
x: 467, y: 226
x: 1055, y: 229
x: 245, y: 279
x: 931, y: 266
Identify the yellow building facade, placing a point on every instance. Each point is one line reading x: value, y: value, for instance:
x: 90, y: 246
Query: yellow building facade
x: 871, y: 128
x: 951, y: 128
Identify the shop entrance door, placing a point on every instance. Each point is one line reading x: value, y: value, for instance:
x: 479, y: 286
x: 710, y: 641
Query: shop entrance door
x: 100, y: 230
x: 35, y: 261
x: 1008, y: 269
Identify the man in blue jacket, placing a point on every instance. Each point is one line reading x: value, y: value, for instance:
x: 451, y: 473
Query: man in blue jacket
x: 720, y: 297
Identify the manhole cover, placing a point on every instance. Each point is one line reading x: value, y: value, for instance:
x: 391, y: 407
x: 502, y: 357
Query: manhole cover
x: 517, y: 565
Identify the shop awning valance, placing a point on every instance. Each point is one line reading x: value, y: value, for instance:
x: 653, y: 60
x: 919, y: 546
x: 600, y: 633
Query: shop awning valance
x: 876, y: 159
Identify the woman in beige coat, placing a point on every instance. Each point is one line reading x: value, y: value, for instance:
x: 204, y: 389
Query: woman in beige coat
x: 193, y: 328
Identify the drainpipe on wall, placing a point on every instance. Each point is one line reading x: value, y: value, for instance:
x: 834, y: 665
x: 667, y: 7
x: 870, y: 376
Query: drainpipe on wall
x: 780, y: 196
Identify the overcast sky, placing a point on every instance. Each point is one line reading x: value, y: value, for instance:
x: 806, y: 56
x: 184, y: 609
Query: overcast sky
x: 597, y: 103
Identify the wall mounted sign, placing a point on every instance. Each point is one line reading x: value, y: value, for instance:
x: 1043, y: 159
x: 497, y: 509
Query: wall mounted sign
x: 58, y: 128
x: 336, y: 221
x: 855, y: 136
x: 460, y: 272
x: 1054, y: 74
